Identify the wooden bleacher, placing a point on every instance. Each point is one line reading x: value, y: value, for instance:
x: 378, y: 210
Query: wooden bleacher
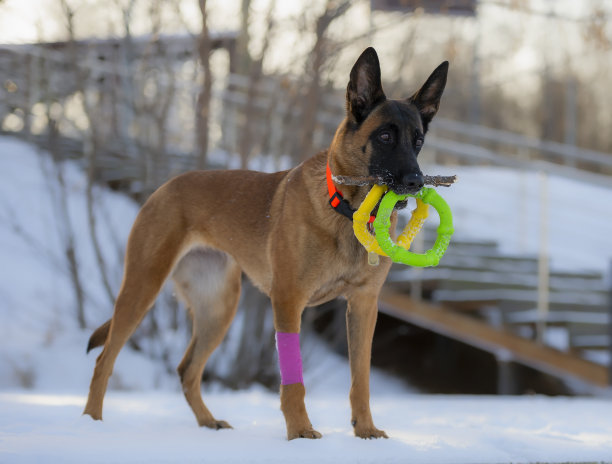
x: 488, y: 300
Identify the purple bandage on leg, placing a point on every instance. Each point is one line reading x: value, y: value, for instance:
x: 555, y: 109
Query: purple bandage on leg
x: 289, y: 357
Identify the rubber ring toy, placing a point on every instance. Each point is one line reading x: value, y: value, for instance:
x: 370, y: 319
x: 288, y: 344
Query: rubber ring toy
x: 381, y: 242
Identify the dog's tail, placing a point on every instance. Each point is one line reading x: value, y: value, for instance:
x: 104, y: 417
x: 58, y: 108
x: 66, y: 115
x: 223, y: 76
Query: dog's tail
x: 99, y: 336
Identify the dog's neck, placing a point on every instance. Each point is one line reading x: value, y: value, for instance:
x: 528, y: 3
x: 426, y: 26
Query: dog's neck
x: 352, y: 194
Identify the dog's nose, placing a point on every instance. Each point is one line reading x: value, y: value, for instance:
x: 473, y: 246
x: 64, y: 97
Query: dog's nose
x: 413, y: 182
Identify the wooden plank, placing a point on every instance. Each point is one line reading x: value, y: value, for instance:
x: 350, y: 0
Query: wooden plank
x: 480, y: 335
x: 468, y: 263
x: 460, y: 279
x: 592, y: 300
x: 564, y: 151
x: 590, y: 342
x: 587, y: 318
x: 476, y: 153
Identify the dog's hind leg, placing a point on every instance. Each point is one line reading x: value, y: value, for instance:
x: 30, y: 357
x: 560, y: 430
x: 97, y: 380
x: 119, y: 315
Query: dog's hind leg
x: 209, y: 283
x: 133, y: 302
x: 149, y: 259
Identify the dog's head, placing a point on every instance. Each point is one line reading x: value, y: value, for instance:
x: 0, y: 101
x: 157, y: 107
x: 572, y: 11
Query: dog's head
x: 387, y: 135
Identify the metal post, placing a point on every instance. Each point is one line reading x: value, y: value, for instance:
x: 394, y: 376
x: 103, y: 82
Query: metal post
x: 523, y: 199
x: 570, y: 116
x: 610, y: 325
x: 474, y: 109
x: 543, y: 271
x: 506, y: 375
x: 416, y: 284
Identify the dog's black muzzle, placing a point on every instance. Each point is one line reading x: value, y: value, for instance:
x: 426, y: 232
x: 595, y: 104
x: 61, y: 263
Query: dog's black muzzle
x: 409, y: 183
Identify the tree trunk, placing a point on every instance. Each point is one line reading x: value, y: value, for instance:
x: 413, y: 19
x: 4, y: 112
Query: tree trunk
x: 203, y: 103
x: 318, y: 57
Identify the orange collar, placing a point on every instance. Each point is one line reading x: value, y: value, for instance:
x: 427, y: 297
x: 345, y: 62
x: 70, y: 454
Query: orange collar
x: 336, y: 200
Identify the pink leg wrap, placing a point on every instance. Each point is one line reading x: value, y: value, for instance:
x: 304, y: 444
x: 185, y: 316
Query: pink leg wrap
x: 289, y: 357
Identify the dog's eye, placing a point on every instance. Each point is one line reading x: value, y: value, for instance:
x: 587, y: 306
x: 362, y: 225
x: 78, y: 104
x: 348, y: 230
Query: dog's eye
x: 385, y: 137
x: 419, y: 143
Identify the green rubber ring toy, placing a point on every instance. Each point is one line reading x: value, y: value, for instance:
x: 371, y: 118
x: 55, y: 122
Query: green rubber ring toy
x: 382, y: 224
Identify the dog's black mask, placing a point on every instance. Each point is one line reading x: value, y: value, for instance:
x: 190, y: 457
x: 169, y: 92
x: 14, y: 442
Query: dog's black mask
x: 397, y: 127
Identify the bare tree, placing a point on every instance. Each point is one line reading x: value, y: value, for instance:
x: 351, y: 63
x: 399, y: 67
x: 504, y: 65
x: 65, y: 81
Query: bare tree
x: 319, y: 55
x: 58, y: 193
x: 255, y: 73
x: 243, y: 57
x: 204, y: 96
x: 91, y: 146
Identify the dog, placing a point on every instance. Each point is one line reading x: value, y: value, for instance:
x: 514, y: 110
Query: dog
x: 290, y: 232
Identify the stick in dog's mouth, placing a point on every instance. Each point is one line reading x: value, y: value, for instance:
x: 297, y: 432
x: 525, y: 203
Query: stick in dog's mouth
x: 440, y: 181
x: 435, y: 181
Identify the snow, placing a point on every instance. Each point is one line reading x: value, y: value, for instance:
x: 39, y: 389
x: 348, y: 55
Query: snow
x: 45, y: 373
x: 37, y: 303
x: 157, y: 427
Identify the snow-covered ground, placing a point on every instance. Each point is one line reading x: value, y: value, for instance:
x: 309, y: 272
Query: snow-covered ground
x: 37, y: 302
x: 156, y: 427
x: 44, y: 372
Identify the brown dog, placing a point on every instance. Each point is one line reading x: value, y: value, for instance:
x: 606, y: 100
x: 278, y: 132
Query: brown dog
x: 286, y: 234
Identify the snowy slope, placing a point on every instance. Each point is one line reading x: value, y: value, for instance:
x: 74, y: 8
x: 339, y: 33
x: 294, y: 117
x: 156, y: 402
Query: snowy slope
x: 37, y: 303
x: 158, y: 428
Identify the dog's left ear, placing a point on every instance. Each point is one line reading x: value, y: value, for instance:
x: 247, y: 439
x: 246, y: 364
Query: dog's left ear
x: 364, y: 90
x: 427, y: 99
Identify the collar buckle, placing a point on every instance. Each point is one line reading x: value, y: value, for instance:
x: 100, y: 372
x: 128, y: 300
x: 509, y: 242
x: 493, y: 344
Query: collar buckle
x: 341, y: 205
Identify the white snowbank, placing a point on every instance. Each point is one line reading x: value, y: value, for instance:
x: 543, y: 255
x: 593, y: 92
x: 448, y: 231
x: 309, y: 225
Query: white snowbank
x: 159, y: 427
x: 39, y: 337
x: 41, y: 347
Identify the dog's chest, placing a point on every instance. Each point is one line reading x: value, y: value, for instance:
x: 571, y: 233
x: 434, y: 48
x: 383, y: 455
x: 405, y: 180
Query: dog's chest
x: 344, y: 279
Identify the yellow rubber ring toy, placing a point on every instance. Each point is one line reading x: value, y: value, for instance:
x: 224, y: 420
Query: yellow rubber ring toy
x: 362, y: 216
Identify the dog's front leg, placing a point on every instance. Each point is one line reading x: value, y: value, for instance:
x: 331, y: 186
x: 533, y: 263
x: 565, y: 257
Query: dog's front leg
x: 360, y: 322
x: 287, y: 318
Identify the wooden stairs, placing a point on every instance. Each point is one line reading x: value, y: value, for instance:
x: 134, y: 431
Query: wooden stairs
x: 487, y: 299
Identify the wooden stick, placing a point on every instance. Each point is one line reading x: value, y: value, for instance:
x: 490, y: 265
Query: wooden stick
x: 440, y: 181
x: 436, y: 181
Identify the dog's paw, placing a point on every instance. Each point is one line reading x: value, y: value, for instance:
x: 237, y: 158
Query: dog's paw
x: 368, y: 431
x: 307, y: 433
x: 216, y: 425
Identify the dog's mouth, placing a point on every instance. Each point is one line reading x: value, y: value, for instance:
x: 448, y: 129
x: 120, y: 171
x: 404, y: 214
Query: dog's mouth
x: 398, y: 206
x: 401, y: 189
x: 402, y: 184
x: 401, y: 204
x: 410, y: 184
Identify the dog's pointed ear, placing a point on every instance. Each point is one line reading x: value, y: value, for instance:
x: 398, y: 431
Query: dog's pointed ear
x: 364, y: 90
x: 427, y: 99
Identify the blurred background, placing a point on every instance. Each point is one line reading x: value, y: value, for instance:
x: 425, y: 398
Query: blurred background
x: 103, y: 101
